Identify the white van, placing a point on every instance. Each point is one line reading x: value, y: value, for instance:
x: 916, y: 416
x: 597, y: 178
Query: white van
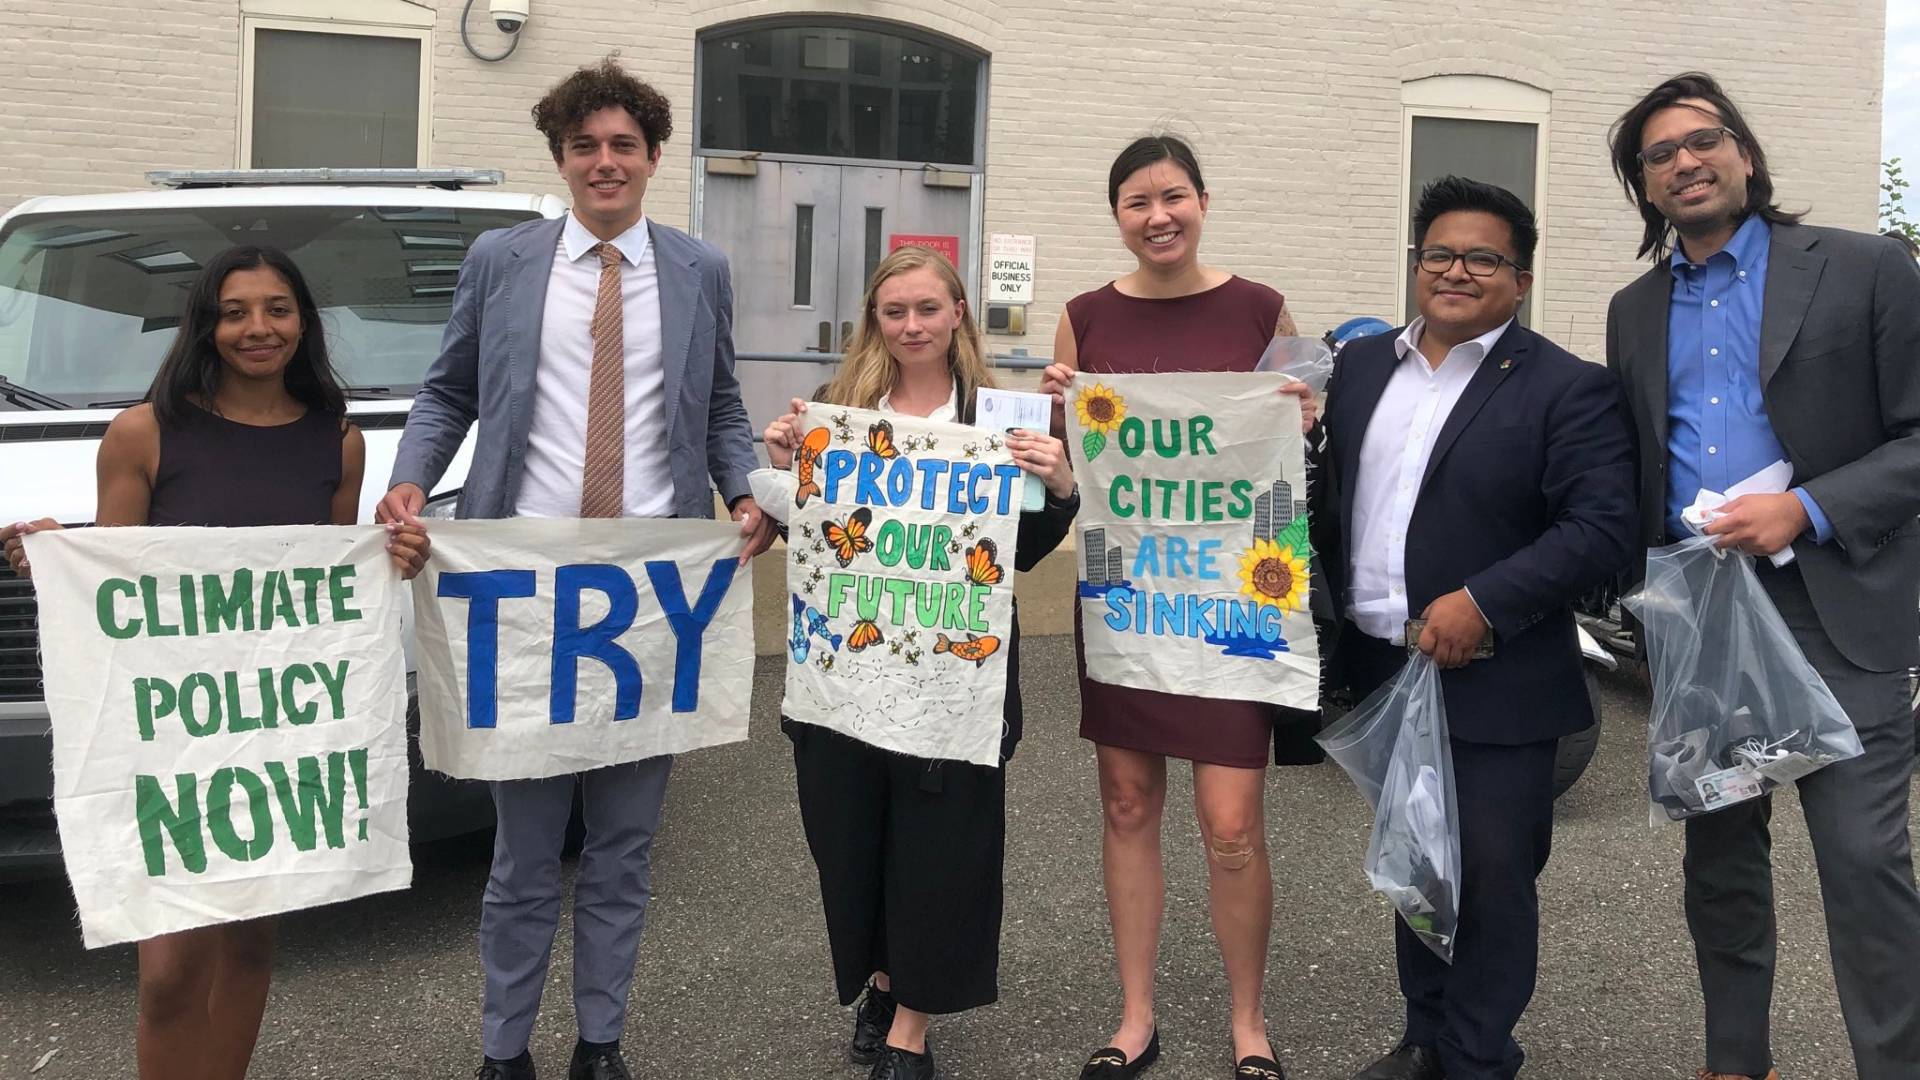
x: 91, y: 290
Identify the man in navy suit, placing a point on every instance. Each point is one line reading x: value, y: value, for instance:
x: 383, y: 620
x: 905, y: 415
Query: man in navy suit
x: 1479, y: 477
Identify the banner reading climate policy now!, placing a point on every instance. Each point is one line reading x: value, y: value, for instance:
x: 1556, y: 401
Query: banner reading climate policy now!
x: 1193, y: 535
x: 228, y: 714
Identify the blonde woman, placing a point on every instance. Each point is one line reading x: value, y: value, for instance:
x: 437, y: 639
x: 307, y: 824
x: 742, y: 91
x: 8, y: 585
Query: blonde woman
x: 909, y: 850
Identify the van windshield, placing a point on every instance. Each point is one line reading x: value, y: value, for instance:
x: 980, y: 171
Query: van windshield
x: 89, y: 302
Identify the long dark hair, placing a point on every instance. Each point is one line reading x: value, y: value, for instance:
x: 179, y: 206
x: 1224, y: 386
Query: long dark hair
x: 193, y: 368
x: 1657, y: 240
x: 1147, y: 150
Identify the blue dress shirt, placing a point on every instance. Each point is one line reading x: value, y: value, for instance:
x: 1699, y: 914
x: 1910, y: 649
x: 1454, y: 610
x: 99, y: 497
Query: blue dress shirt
x: 1718, y: 433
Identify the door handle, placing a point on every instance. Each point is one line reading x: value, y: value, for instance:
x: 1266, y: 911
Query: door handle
x: 846, y: 334
x: 826, y: 339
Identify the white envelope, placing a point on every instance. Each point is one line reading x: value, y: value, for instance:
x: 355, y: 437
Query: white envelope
x: 1772, y: 480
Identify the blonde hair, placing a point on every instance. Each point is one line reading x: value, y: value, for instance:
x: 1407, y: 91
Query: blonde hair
x: 870, y: 371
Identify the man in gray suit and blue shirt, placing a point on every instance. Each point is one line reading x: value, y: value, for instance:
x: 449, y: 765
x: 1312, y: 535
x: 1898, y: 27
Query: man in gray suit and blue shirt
x: 596, y: 352
x: 1761, y: 340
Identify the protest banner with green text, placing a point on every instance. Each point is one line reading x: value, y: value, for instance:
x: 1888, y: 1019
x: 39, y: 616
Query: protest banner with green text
x: 1193, y: 535
x: 554, y: 646
x: 900, y: 580
x: 229, y: 734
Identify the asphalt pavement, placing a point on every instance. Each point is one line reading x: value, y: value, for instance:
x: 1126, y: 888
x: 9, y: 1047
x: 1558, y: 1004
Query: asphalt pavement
x: 734, y: 981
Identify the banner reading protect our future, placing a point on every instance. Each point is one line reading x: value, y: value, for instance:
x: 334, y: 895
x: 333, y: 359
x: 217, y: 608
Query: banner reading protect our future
x: 900, y: 582
x: 1193, y: 535
x: 554, y: 646
x: 228, y: 713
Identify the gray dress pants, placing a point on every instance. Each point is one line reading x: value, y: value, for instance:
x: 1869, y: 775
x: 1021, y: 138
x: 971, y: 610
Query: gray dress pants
x: 521, y: 907
x: 1856, y: 813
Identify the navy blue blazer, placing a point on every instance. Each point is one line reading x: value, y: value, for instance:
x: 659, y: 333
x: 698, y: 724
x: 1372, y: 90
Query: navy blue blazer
x: 1528, y: 501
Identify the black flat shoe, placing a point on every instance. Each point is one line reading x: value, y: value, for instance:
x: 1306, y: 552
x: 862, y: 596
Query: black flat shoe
x: 598, y: 1063
x: 1405, y: 1063
x: 893, y: 1063
x: 1110, y: 1063
x: 520, y: 1068
x: 1255, y: 1067
x: 872, y: 1019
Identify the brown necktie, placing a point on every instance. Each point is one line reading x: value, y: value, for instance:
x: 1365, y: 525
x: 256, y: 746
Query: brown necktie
x: 600, y: 484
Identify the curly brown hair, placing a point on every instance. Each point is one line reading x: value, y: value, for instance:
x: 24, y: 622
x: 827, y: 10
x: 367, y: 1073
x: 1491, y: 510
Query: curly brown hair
x: 599, y: 86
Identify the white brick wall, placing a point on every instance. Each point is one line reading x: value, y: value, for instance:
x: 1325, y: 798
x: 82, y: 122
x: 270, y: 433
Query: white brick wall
x: 1294, y: 106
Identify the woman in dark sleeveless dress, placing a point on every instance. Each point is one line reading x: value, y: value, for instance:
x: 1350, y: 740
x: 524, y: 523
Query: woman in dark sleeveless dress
x: 244, y: 425
x: 1174, y: 314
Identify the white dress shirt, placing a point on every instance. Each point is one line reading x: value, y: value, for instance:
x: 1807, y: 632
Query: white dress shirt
x: 1393, y: 460
x: 950, y: 412
x: 557, y: 437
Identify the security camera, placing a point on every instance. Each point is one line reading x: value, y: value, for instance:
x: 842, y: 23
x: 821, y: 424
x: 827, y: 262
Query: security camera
x: 510, y: 15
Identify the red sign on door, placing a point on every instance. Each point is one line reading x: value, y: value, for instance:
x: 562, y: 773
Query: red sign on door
x: 945, y: 245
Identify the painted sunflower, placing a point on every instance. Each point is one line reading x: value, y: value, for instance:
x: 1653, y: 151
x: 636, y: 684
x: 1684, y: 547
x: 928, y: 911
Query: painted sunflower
x: 1271, y: 574
x: 1100, y: 409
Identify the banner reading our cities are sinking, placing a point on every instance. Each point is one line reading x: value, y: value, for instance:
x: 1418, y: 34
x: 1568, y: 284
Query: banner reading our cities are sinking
x: 1193, y: 535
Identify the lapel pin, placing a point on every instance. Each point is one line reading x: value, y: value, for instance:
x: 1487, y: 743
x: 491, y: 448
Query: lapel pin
x: 1507, y: 363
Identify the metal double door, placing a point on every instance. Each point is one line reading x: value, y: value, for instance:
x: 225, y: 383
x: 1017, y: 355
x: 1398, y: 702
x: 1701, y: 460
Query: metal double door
x: 803, y: 238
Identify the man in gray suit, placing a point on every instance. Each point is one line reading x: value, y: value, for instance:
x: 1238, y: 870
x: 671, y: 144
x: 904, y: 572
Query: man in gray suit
x: 1761, y: 340
x: 596, y: 352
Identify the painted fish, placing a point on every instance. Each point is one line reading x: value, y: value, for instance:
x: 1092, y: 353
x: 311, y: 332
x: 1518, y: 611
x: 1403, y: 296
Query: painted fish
x: 975, y: 648
x: 807, y: 461
x: 797, y: 642
x: 817, y: 624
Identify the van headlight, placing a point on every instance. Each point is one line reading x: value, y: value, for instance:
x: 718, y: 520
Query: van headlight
x: 441, y: 507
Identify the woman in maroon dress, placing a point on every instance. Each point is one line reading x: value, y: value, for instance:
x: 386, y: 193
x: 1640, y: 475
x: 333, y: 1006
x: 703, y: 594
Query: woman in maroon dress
x: 1174, y: 314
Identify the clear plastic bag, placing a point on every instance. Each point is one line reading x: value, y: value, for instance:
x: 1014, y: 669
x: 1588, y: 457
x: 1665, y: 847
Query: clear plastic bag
x: 1737, y: 709
x: 1304, y: 358
x: 1395, y: 747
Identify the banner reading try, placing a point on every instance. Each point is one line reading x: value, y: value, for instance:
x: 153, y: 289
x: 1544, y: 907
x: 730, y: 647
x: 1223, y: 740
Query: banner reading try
x: 900, y: 582
x: 553, y: 646
x: 228, y: 733
x: 1193, y: 536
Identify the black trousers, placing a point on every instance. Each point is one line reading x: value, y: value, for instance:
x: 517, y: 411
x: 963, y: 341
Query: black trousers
x: 910, y: 855
x: 1856, y: 815
x: 1467, y: 1010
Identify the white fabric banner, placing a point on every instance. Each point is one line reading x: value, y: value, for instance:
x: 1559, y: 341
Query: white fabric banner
x: 900, y: 581
x: 1193, y: 535
x: 549, y: 646
x: 229, y: 736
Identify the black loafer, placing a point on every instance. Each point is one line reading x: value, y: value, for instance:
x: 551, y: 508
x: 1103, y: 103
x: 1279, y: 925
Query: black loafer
x: 520, y: 1068
x: 872, y: 1019
x: 598, y: 1063
x: 894, y: 1063
x: 1255, y: 1067
x: 1110, y: 1063
x: 1408, y: 1062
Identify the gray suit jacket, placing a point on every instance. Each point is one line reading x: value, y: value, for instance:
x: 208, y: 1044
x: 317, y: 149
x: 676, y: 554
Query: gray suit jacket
x: 1840, y: 368
x: 490, y: 356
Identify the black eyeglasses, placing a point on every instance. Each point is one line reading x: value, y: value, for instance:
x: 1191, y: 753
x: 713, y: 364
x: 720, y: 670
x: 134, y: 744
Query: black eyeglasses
x: 1698, y: 143
x: 1439, y: 260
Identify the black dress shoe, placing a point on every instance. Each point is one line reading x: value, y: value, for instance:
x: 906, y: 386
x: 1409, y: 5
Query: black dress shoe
x: 893, y: 1063
x: 520, y: 1068
x: 872, y: 1019
x: 1407, y: 1063
x: 1110, y: 1063
x: 598, y: 1063
x: 1255, y: 1067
